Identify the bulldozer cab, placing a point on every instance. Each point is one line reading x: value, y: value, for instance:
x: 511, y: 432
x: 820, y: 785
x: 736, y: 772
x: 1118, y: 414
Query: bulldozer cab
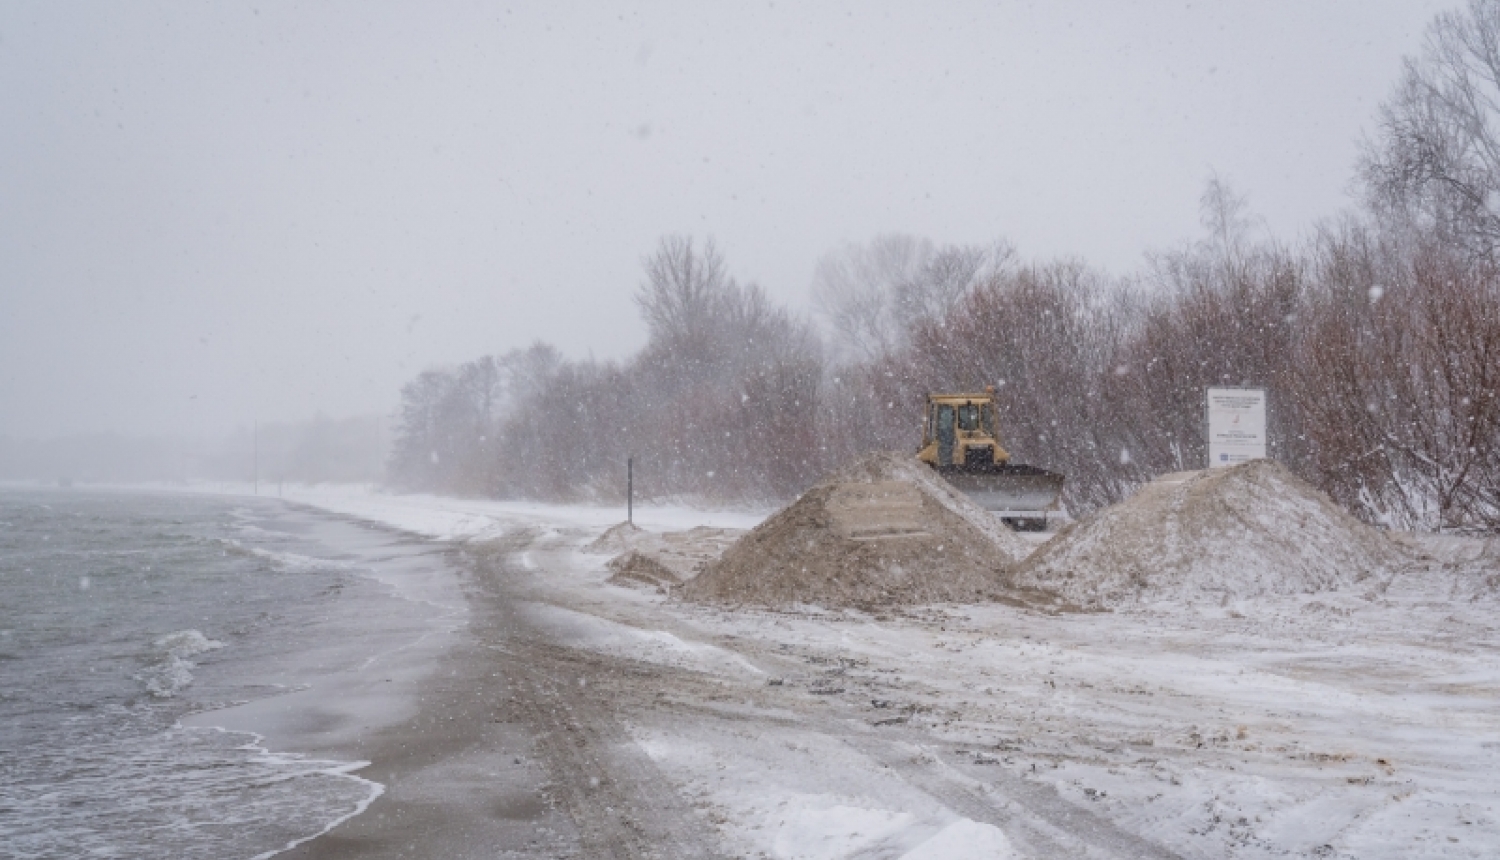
x: 961, y: 429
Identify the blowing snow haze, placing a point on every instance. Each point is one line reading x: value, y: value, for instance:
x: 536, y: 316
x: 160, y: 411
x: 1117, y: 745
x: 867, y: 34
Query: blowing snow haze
x: 216, y: 214
x: 666, y: 430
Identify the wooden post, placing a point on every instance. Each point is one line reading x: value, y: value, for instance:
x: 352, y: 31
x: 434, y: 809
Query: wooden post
x: 630, y: 490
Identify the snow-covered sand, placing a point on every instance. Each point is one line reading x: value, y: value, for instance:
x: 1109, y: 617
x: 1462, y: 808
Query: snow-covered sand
x: 885, y: 530
x: 1356, y: 723
x: 1247, y: 531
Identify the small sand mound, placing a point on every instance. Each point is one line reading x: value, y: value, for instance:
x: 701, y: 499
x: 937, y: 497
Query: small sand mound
x: 1239, y: 532
x: 634, y: 566
x: 616, y: 538
x: 886, y: 530
x: 666, y: 559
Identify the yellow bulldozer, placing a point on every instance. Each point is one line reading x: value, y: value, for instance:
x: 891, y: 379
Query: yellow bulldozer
x: 961, y: 440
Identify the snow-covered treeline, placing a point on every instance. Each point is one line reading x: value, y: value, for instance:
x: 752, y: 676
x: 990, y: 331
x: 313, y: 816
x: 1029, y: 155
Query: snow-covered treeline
x: 1381, y: 354
x: 720, y: 403
x: 1377, y: 337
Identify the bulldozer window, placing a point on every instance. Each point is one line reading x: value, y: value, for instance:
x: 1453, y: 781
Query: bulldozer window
x: 944, y: 421
x: 968, y: 417
x: 987, y: 418
x: 945, y: 435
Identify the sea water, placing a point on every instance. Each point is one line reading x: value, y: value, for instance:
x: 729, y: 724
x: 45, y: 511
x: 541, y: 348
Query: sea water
x: 114, y: 608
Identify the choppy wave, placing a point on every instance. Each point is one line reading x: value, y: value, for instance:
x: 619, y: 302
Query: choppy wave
x: 282, y: 560
x: 108, y: 608
x: 170, y: 671
x: 333, y: 769
x: 183, y: 792
x: 300, y: 563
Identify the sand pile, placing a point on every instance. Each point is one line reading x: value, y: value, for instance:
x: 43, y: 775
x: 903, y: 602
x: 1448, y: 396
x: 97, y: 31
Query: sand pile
x: 633, y: 567
x: 1239, y: 532
x: 886, y: 530
x: 661, y: 560
x: 616, y: 538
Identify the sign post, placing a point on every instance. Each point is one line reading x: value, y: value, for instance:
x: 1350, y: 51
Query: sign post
x: 1236, y: 419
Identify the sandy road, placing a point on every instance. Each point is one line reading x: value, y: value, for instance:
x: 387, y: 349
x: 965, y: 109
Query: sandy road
x: 513, y: 752
x: 570, y: 717
x: 571, y: 700
x: 586, y: 708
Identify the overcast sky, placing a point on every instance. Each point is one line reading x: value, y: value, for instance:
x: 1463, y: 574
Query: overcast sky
x: 212, y: 213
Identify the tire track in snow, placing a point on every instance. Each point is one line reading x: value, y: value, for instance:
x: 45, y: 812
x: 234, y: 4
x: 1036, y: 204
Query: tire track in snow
x: 623, y: 806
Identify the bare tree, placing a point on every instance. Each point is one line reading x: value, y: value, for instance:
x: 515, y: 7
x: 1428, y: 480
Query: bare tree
x: 854, y: 289
x: 1223, y: 212
x: 874, y: 296
x: 1436, y: 158
x: 1399, y: 382
x: 416, y: 454
x: 1034, y: 333
x: 682, y: 288
x: 944, y: 280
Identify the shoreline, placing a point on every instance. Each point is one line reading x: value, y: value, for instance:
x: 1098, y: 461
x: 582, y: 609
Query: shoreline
x: 198, y: 675
x: 460, y: 779
x: 361, y: 670
x: 518, y: 746
x: 345, y: 770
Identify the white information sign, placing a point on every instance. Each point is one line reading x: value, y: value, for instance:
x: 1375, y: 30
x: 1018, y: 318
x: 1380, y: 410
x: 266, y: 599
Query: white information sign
x: 1236, y: 425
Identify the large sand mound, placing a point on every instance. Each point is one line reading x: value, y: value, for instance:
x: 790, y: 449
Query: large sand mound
x: 886, y: 530
x: 1240, y: 532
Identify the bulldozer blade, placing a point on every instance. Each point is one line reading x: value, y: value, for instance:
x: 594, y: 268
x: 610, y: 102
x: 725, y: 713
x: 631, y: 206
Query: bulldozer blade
x: 1008, y: 488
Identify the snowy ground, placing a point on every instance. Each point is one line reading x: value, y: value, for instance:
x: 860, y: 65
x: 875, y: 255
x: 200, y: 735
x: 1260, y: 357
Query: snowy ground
x: 1310, y: 728
x: 1342, y: 725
